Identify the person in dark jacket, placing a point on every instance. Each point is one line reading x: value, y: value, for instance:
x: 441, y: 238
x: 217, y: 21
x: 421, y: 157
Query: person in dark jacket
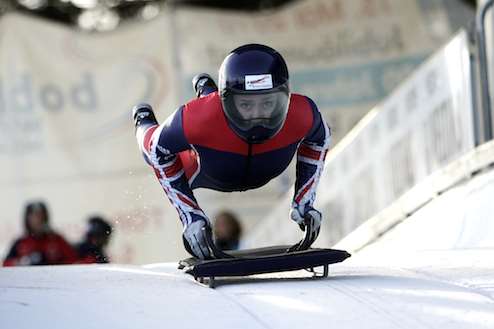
x: 92, y: 249
x: 39, y: 245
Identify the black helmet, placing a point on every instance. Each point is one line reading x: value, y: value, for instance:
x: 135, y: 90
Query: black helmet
x: 254, y: 90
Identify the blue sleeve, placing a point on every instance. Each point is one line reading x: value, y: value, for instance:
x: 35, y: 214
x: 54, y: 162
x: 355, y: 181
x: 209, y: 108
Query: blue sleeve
x: 168, y: 137
x: 320, y: 131
x: 171, y: 134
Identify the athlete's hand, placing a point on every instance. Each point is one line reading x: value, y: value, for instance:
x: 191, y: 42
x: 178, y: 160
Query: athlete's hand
x: 306, y: 216
x: 195, y: 236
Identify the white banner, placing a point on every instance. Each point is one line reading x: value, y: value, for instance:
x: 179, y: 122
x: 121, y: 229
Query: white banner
x: 66, y: 134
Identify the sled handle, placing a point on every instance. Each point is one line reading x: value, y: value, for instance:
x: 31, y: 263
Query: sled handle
x: 217, y: 253
x: 306, y: 242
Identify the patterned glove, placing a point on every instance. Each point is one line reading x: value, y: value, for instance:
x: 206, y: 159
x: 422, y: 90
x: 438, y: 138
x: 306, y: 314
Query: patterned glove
x: 195, y: 238
x: 305, y: 215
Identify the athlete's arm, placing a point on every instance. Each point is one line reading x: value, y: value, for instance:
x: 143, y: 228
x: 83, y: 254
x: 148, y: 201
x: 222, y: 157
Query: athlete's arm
x: 310, y: 163
x: 310, y: 159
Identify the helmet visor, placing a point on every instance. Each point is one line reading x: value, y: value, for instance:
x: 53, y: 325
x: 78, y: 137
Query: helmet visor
x: 249, y: 110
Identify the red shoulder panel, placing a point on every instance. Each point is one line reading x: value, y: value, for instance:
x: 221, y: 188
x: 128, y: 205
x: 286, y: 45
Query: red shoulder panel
x: 205, y: 125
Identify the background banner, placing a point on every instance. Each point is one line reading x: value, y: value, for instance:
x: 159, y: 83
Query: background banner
x: 66, y: 134
x: 345, y: 54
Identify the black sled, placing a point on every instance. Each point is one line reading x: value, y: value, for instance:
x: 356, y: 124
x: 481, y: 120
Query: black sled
x: 262, y: 260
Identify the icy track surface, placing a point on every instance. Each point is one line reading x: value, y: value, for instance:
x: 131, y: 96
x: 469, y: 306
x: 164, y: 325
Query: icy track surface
x: 159, y: 296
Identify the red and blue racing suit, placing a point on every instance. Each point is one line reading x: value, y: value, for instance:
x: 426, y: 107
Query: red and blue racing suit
x: 195, y: 147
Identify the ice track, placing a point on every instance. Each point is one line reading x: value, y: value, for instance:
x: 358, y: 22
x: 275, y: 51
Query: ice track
x: 159, y: 296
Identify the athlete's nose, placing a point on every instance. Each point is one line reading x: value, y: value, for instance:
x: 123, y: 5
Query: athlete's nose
x: 256, y: 111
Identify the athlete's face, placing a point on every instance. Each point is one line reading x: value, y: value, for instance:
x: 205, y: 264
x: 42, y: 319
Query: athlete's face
x: 260, y: 107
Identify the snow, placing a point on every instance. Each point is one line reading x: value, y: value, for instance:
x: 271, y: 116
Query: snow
x: 434, y: 270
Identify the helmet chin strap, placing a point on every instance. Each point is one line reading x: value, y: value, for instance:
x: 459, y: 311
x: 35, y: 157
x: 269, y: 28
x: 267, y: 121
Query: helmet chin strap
x: 253, y: 140
x: 257, y: 135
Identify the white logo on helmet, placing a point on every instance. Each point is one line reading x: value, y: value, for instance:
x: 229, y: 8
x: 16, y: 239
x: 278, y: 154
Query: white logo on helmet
x: 260, y: 81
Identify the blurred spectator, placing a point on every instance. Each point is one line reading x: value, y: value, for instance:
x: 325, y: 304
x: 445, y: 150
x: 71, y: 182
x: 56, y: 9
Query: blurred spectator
x: 92, y: 249
x: 40, y: 245
x: 227, y: 231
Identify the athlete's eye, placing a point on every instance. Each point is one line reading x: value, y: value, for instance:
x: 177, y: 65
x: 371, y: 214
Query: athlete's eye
x: 268, y: 105
x: 245, y: 105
